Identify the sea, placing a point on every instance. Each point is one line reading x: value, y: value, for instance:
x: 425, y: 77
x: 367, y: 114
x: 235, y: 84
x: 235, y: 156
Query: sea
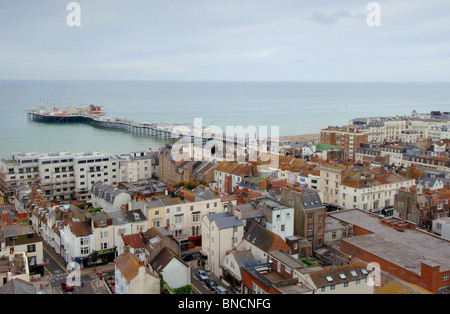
x: 294, y: 107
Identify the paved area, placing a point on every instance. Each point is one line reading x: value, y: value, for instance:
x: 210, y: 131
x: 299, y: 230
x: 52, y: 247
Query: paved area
x: 56, y: 272
x: 198, y: 285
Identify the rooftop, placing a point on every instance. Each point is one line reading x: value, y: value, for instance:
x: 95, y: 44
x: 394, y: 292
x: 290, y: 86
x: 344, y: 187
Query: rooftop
x: 407, y: 248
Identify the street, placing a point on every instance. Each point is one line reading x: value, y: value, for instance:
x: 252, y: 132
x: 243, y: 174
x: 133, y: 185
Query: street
x: 56, y: 273
x: 199, y: 286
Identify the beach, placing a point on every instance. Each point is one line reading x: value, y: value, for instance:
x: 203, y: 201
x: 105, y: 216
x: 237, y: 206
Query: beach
x: 309, y: 138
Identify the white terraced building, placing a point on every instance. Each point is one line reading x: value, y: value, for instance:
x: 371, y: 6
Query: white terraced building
x: 63, y: 175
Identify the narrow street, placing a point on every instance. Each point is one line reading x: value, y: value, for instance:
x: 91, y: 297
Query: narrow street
x: 57, y: 273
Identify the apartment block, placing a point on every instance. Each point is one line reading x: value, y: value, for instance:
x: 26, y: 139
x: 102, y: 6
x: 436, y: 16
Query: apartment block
x: 348, y: 139
x: 135, y: 166
x: 60, y: 175
x: 91, y: 167
x: 373, y: 193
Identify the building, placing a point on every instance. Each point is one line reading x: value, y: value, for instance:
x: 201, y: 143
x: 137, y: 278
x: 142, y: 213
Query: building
x: 420, y: 208
x: 279, y: 217
x: 276, y: 276
x: 221, y: 232
x: 331, y: 177
x: 309, y: 214
x: 181, y: 212
x: 103, y: 231
x: 13, y: 266
x: 60, y: 175
x: 348, y: 139
x: 336, y: 230
x: 91, y: 167
x: 20, y: 286
x: 22, y: 168
x: 135, y: 166
x: 233, y: 264
x: 108, y: 197
x: 172, y: 269
x: 373, y: 193
x: 441, y: 227
x: 347, y: 279
x: 260, y: 241
x: 20, y: 238
x: 77, y: 242
x: 133, y: 277
x: 398, y: 248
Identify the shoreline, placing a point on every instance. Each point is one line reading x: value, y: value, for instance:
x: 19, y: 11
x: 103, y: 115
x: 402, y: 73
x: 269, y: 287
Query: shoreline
x: 300, y: 138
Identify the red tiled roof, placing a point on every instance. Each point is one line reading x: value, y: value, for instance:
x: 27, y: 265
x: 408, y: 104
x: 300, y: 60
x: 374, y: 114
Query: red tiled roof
x: 133, y: 240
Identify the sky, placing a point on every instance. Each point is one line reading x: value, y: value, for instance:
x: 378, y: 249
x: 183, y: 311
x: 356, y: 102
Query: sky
x: 225, y: 40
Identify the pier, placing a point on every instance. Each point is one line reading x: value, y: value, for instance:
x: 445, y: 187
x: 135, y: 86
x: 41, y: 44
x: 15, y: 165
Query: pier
x: 100, y: 119
x: 95, y: 116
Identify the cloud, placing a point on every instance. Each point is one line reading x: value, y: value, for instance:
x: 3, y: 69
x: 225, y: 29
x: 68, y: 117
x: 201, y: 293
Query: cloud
x: 333, y: 18
x: 223, y: 40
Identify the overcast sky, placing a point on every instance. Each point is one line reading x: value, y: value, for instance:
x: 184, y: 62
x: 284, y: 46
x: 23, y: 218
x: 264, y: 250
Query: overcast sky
x: 268, y: 40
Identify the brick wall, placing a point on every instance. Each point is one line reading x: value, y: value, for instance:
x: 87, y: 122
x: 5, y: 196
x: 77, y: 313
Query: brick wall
x: 430, y: 277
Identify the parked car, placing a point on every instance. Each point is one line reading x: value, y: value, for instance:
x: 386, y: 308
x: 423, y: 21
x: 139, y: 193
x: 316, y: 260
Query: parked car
x: 187, y: 257
x: 211, y: 284
x: 202, y: 275
x: 221, y: 290
x: 67, y: 286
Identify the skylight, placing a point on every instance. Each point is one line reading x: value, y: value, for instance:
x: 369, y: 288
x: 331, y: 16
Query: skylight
x: 354, y: 274
x: 329, y: 279
x: 364, y: 271
x: 342, y: 276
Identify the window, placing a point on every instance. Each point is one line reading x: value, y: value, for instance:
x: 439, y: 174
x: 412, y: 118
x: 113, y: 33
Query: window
x: 345, y: 284
x: 195, y: 217
x: 104, y: 246
x: 179, y: 219
x: 323, y: 289
x: 333, y: 287
x: 445, y: 277
x: 84, y: 250
x: 258, y: 290
x: 84, y: 241
x: 31, y: 248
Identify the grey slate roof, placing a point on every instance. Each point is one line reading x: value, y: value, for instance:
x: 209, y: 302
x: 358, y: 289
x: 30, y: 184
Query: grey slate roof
x: 311, y: 200
x: 224, y: 220
x: 244, y: 257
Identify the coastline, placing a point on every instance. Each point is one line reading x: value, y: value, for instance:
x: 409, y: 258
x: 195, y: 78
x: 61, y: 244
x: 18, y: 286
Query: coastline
x: 301, y: 138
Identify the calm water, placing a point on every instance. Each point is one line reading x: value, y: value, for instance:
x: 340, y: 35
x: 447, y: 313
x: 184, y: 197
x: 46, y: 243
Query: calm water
x: 297, y: 108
